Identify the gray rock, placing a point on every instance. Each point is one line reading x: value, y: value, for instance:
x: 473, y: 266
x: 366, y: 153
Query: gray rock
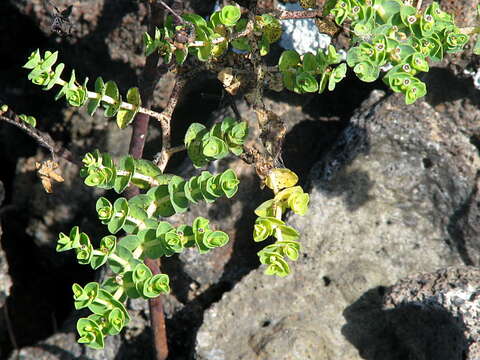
x: 449, y: 299
x: 5, y: 280
x: 382, y: 207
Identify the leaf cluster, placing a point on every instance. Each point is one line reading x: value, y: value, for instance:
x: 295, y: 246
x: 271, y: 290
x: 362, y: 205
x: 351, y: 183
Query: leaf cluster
x: 210, y: 39
x: 269, y: 222
x: 101, y: 171
x: 106, y: 94
x: 311, y: 73
x: 391, y: 33
x: 147, y: 236
x: 205, y: 145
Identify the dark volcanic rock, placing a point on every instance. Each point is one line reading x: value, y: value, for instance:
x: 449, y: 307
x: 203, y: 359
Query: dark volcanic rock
x: 449, y: 299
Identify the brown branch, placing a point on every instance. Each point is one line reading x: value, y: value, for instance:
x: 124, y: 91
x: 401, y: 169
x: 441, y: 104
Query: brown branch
x: 286, y: 14
x: 43, y: 139
x: 149, y: 79
x: 163, y: 157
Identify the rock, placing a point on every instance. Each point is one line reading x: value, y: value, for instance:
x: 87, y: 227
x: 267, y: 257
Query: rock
x: 449, y: 298
x: 382, y: 207
x: 5, y: 280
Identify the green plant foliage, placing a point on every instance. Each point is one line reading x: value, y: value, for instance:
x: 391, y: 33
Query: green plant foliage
x: 389, y: 32
x: 384, y: 34
x: 212, y: 37
x: 77, y: 94
x: 311, y: 73
x: 205, y: 145
x: 100, y: 170
x: 149, y: 238
x: 30, y: 120
x: 147, y: 235
x: 271, y: 31
x: 269, y: 221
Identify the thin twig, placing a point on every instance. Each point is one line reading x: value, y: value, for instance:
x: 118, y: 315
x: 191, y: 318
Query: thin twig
x: 419, y: 4
x: 178, y: 17
x: 42, y: 138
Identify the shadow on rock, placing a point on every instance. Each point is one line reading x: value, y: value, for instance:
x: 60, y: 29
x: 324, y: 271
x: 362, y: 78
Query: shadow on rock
x: 413, y: 330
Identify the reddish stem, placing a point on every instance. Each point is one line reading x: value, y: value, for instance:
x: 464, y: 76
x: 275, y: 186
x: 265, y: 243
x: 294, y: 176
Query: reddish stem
x: 150, y: 76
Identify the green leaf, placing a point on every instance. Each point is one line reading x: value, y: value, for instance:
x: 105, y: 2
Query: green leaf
x: 163, y: 204
x: 116, y: 320
x: 265, y: 208
x: 194, y: 131
x: 288, y: 233
x: 306, y: 83
x: 33, y: 60
x: 111, y: 90
x: 177, y: 196
x: 127, y: 165
x: 237, y: 134
x: 85, y: 296
x: 124, y: 116
x: 298, y: 202
x: 151, y: 244
x: 173, y: 242
x: 90, y: 333
x: 290, y: 249
x: 271, y: 28
x: 148, y: 170
x: 121, y: 261
x: 49, y: 60
x: 288, y: 60
x: 85, y: 250
x: 229, y: 183
x: 200, y: 228
x: 214, y: 147
x: 310, y: 63
x: 264, y: 46
x: 213, y: 186
x: 121, y: 211
x: 95, y: 102
x: 203, y: 184
x: 195, y: 19
x: 131, y: 242
x: 56, y: 76
x: 140, y: 274
x: 69, y: 242
x: 204, y: 52
x: 215, y: 239
x: 241, y: 44
x: 180, y: 55
x: 336, y: 76
x: 367, y: 71
x: 229, y: 15
x: 104, y: 209
x: 136, y: 212
x: 156, y: 285
x: 30, y: 120
x: 265, y: 227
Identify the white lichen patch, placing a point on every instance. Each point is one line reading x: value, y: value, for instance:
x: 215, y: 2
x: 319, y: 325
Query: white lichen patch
x: 301, y: 35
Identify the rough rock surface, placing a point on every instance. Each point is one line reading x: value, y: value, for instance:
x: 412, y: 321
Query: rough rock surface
x: 383, y: 206
x: 449, y: 299
x: 5, y: 280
